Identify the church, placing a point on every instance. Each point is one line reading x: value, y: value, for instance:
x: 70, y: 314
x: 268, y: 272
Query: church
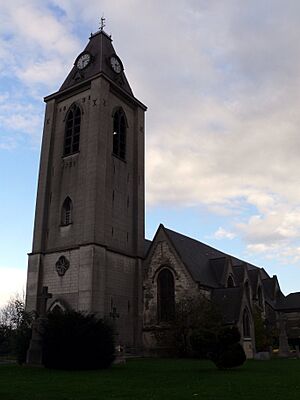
x: 89, y: 245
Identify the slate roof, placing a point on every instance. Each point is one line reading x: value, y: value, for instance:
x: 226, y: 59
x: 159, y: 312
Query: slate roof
x: 253, y: 277
x: 269, y: 287
x: 147, y: 244
x: 101, y: 48
x: 229, y: 301
x: 207, y: 266
x: 290, y: 302
x: 219, y: 266
x: 195, y: 255
x: 264, y: 274
x: 239, y: 273
x: 200, y: 259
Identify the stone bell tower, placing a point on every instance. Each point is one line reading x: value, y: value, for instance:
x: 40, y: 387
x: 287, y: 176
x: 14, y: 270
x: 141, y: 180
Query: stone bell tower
x: 88, y: 239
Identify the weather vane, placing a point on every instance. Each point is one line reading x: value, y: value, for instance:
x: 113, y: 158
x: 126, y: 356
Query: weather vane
x: 102, y: 24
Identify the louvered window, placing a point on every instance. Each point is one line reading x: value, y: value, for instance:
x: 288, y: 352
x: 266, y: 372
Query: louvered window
x: 119, y: 134
x: 72, y: 131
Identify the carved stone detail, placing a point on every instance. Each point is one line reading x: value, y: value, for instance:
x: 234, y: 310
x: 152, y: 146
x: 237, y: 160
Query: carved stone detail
x: 62, y: 265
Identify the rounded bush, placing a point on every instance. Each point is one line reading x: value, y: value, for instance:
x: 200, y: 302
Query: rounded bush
x: 228, y: 353
x: 232, y: 356
x: 74, y: 340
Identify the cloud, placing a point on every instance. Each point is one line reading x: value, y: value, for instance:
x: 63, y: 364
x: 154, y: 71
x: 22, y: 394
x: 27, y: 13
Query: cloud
x: 40, y: 41
x: 222, y: 83
x: 21, y: 122
x: 274, y: 233
x: 222, y: 233
x: 12, y: 282
x: 18, y: 121
x: 39, y: 72
x: 223, y: 87
x: 234, y: 144
x: 36, y: 50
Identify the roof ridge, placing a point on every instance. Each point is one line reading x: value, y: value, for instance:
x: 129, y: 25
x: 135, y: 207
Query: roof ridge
x: 197, y: 241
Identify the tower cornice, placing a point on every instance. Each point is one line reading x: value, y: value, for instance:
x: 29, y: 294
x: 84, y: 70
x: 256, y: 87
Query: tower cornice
x: 86, y: 84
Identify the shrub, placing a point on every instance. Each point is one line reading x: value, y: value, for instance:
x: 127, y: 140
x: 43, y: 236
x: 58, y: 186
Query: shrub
x: 194, y: 317
x: 203, y: 343
x: 232, y: 356
x: 228, y: 353
x: 73, y: 340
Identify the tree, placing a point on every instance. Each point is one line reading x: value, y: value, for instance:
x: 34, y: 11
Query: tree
x: 194, y: 316
x: 262, y: 339
x: 12, y: 313
x: 5, y: 347
x: 228, y: 353
x: 197, y: 330
x: 15, y: 328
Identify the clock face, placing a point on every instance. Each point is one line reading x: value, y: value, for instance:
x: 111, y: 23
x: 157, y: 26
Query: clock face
x: 83, y: 60
x: 116, y: 64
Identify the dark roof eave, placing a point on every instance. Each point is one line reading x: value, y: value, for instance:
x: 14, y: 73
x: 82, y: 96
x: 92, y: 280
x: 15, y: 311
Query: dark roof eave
x: 287, y: 309
x: 86, y: 83
x: 206, y: 286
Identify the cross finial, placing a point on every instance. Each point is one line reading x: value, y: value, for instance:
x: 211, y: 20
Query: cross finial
x: 102, y: 24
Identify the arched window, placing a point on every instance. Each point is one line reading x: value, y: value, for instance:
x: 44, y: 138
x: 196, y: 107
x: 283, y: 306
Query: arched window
x: 66, y: 215
x: 119, y: 134
x: 260, y: 297
x: 230, y: 282
x: 72, y: 130
x: 165, y: 295
x: 246, y: 324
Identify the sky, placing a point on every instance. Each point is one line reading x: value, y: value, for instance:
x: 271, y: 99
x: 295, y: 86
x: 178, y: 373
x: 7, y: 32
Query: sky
x: 221, y: 80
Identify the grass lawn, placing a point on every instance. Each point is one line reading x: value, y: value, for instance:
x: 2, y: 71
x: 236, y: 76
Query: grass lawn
x: 155, y: 379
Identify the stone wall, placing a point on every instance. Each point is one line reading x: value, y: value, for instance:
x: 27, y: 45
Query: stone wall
x: 162, y: 256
